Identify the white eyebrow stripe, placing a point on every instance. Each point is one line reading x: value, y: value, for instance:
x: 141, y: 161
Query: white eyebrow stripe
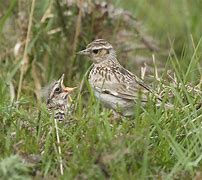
x: 101, y: 47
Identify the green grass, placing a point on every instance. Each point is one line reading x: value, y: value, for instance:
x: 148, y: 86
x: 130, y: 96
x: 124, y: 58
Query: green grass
x: 155, y: 144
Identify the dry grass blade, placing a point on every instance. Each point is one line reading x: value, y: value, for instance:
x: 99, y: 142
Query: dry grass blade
x: 12, y: 92
x: 25, y: 50
x: 59, y: 148
x: 36, y: 82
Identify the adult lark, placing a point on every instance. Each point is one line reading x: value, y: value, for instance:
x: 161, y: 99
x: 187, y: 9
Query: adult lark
x: 59, y: 100
x: 113, y: 85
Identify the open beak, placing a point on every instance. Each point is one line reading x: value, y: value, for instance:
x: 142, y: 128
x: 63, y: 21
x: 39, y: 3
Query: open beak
x: 84, y: 52
x: 61, y: 79
x: 66, y: 89
x: 69, y: 90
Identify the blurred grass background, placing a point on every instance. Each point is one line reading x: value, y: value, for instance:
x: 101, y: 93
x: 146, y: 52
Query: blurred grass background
x: 155, y: 144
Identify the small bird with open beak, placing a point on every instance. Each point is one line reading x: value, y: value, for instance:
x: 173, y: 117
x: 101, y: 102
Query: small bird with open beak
x: 59, y: 100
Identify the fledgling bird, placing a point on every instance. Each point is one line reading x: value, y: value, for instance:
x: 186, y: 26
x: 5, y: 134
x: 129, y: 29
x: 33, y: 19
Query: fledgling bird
x: 116, y: 87
x: 59, y: 100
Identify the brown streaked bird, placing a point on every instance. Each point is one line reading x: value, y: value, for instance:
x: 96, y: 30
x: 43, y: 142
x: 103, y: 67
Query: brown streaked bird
x: 59, y: 100
x: 116, y: 87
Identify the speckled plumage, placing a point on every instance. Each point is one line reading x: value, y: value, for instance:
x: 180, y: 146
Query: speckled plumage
x: 113, y: 85
x: 59, y: 100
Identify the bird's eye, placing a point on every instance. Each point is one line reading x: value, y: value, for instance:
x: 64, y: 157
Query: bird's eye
x: 95, y: 51
x: 57, y: 89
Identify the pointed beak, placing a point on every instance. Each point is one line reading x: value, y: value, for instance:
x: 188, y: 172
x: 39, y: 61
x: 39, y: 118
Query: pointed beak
x: 69, y: 90
x: 61, y: 79
x: 84, y: 52
x: 66, y: 89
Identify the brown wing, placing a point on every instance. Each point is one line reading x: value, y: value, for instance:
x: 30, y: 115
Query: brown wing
x: 121, y: 83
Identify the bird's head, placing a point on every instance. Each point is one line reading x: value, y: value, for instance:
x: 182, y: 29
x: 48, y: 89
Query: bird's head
x: 99, y: 50
x: 58, y: 91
